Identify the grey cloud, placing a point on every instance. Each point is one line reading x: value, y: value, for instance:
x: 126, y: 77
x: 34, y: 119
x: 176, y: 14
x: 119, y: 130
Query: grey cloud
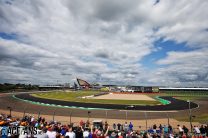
x: 104, y: 10
x: 102, y: 54
x: 108, y: 38
x: 113, y: 10
x: 188, y: 68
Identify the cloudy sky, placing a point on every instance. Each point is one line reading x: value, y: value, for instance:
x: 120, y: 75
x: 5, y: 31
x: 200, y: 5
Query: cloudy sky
x: 140, y: 42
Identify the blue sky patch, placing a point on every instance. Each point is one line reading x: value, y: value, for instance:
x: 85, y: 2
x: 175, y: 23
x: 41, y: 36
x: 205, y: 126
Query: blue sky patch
x: 8, y: 36
x: 163, y: 48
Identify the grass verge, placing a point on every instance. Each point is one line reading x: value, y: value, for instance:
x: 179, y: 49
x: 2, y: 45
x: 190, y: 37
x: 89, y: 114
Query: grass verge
x: 203, y: 118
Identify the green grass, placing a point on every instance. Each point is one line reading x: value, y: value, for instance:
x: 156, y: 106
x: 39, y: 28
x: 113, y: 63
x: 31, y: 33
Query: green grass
x: 186, y: 95
x: 202, y: 118
x: 191, y: 98
x: 75, y: 97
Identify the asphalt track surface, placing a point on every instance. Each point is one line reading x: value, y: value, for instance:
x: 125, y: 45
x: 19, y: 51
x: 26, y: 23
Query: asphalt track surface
x: 175, y: 104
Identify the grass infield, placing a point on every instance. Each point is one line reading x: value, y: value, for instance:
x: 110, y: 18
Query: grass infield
x: 76, y: 97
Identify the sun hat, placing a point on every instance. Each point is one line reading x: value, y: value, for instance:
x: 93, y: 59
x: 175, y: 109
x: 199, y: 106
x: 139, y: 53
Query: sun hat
x: 113, y: 134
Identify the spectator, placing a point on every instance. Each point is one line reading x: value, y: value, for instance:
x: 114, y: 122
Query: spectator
x: 180, y: 130
x: 196, y: 130
x: 39, y: 119
x: 79, y: 133
x: 145, y: 135
x: 170, y: 129
x: 126, y: 127
x: 113, y: 135
x: 51, y: 133
x: 119, y: 135
x: 154, y: 128
x: 114, y: 126
x: 22, y: 134
x: 42, y: 135
x: 202, y: 130
x: 32, y: 119
x: 87, y: 124
x: 43, y: 120
x: 106, y: 125
x: 185, y: 129
x: 70, y: 133
x: 96, y: 133
x: 206, y: 130
x: 165, y: 129
x: 119, y: 126
x: 81, y: 123
x: 161, y: 128
x: 63, y: 131
x: 130, y: 126
x: 86, y: 133
x: 55, y: 129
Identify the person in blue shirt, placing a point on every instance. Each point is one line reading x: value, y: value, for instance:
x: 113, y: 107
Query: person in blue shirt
x: 165, y: 129
x: 130, y: 126
x: 4, y: 132
x: 63, y: 131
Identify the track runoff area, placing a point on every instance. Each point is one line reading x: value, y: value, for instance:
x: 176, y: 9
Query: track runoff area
x: 107, y: 100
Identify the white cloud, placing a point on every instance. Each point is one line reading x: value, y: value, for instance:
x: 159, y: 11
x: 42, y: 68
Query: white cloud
x: 94, y: 39
x: 183, y: 68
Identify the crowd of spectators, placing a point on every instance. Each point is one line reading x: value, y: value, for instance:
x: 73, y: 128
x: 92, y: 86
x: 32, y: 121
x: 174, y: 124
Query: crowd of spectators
x: 86, y: 129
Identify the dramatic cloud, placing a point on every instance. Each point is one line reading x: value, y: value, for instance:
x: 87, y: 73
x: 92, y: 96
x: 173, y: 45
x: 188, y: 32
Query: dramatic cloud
x: 105, y: 41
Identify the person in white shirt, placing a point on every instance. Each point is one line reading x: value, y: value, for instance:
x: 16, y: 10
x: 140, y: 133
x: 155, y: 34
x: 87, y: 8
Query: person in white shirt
x: 126, y: 127
x: 86, y: 134
x: 22, y: 134
x: 32, y: 119
x: 196, y: 130
x: 51, y: 133
x: 41, y: 133
x: 180, y: 130
x: 70, y: 133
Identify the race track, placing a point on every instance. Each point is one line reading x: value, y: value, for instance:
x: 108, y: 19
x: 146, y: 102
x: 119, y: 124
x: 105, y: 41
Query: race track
x: 175, y: 104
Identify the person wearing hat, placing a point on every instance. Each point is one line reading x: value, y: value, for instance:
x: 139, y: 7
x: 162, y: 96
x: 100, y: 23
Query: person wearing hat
x: 51, y: 133
x: 113, y: 135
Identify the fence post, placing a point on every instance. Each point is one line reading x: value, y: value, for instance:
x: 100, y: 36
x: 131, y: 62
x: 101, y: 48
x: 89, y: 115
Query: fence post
x: 126, y: 115
x: 54, y: 112
x: 168, y: 118
x: 145, y: 113
x: 88, y: 115
x: 190, y: 115
x: 39, y: 114
x: 106, y: 115
x: 24, y: 111
x: 70, y: 115
x: 10, y: 111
